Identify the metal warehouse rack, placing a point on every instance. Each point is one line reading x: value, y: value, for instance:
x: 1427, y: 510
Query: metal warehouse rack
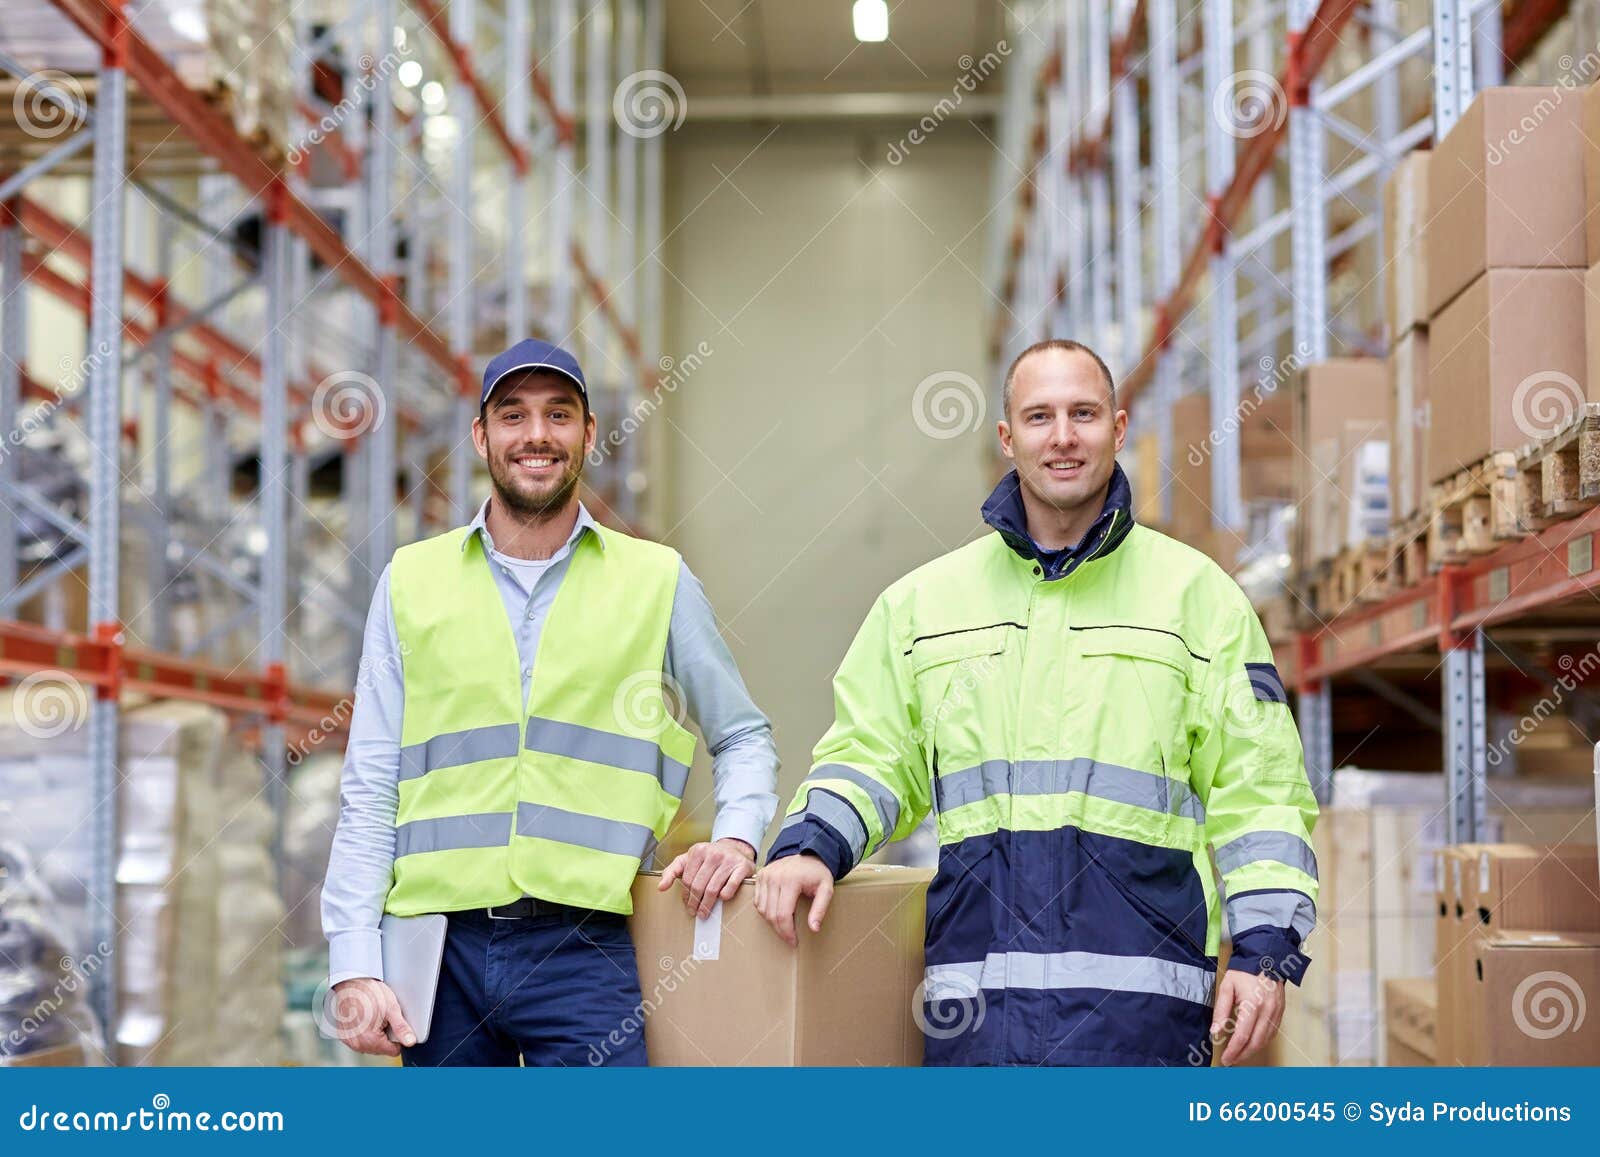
x: 1135, y: 222
x: 326, y: 273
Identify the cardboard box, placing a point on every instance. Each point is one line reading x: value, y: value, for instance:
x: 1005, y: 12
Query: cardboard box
x: 1266, y: 464
x: 1454, y: 925
x: 1497, y: 356
x: 727, y: 991
x: 1538, y: 887
x: 1505, y: 189
x: 1338, y: 405
x: 1410, y: 1006
x: 1408, y: 424
x: 1591, y: 173
x: 1529, y: 992
x: 1405, y: 257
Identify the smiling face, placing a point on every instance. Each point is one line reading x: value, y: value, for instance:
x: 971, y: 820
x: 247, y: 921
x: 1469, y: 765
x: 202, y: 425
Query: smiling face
x: 534, y: 435
x: 1062, y: 430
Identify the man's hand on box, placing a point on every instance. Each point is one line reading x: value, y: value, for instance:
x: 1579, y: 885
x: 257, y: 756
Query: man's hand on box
x: 780, y: 885
x: 710, y: 872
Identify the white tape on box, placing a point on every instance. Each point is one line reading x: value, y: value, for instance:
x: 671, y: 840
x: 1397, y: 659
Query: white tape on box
x: 708, y: 934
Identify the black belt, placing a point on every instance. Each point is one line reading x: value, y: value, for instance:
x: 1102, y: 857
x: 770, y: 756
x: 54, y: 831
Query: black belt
x: 530, y: 906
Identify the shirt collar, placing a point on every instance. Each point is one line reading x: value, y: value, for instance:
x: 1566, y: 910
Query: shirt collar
x: 480, y: 526
x: 1003, y: 510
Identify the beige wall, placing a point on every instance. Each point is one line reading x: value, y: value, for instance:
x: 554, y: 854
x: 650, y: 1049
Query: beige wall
x: 826, y: 284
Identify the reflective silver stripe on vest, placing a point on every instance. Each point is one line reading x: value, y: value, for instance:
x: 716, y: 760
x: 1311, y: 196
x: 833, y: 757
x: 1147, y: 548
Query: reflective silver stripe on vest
x: 823, y: 805
x: 624, y: 752
x: 1278, y: 846
x: 1091, y: 777
x: 486, y: 830
x: 883, y: 800
x: 500, y: 741
x: 1287, y: 909
x: 1061, y: 970
x: 552, y: 823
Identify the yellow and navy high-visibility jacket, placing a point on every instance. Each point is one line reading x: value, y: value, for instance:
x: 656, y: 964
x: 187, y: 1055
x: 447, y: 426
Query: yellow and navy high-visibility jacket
x: 1084, y: 723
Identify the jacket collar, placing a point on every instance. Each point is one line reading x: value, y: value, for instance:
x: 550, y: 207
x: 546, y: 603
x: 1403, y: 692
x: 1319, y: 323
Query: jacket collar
x: 1003, y: 511
x: 480, y: 526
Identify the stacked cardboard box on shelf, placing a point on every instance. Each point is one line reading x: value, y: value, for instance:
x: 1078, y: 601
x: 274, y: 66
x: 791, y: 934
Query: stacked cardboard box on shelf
x: 1341, y: 424
x: 1266, y: 466
x: 1405, y: 206
x: 1378, y: 910
x: 1505, y: 244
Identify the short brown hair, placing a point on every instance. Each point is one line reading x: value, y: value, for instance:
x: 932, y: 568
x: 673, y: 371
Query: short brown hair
x: 1065, y: 345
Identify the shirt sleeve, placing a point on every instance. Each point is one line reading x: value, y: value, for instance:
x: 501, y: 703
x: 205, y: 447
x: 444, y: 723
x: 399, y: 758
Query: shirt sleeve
x: 744, y: 759
x: 1250, y: 774
x: 361, y: 862
x: 869, y: 781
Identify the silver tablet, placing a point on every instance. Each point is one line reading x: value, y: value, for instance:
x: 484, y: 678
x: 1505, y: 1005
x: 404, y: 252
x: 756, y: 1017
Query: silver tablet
x: 413, y: 949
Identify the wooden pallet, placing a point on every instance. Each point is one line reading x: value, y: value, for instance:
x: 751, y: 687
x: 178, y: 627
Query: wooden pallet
x: 1559, y: 477
x: 1474, y: 511
x: 1357, y: 574
x: 1408, y: 551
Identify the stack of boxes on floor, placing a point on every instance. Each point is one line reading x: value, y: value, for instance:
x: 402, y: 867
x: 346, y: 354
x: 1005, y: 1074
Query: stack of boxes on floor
x: 1518, y: 945
x: 1384, y: 868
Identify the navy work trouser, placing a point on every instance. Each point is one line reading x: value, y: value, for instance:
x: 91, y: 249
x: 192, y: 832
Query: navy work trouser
x: 559, y: 989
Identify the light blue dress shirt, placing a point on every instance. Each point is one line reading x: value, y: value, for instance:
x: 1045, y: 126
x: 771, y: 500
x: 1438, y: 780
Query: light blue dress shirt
x: 744, y: 760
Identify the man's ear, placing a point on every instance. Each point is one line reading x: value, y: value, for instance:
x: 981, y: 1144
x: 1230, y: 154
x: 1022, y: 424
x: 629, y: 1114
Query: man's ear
x: 1121, y: 423
x: 480, y: 438
x: 1003, y: 429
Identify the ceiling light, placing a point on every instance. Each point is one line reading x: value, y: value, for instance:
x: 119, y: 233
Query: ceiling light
x: 871, y: 18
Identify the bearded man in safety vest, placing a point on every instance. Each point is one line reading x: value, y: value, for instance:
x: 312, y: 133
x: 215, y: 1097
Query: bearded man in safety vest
x: 1086, y: 705
x: 516, y: 752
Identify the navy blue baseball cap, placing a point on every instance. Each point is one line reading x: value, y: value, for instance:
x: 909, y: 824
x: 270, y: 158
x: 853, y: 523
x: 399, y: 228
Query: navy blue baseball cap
x: 532, y: 354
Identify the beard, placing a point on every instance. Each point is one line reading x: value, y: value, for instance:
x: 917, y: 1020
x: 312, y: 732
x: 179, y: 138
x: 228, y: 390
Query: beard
x: 533, y: 501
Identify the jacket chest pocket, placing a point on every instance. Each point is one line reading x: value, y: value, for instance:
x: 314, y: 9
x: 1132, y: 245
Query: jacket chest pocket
x: 1138, y: 686
x: 959, y: 681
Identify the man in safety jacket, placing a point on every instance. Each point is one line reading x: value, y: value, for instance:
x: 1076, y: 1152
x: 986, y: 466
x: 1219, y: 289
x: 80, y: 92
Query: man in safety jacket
x: 1086, y: 705
x: 518, y: 749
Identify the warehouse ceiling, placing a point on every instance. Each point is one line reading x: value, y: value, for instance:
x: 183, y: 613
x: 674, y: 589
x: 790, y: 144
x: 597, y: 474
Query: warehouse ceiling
x: 761, y: 48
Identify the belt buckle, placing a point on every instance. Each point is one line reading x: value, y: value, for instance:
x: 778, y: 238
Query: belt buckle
x: 490, y: 912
